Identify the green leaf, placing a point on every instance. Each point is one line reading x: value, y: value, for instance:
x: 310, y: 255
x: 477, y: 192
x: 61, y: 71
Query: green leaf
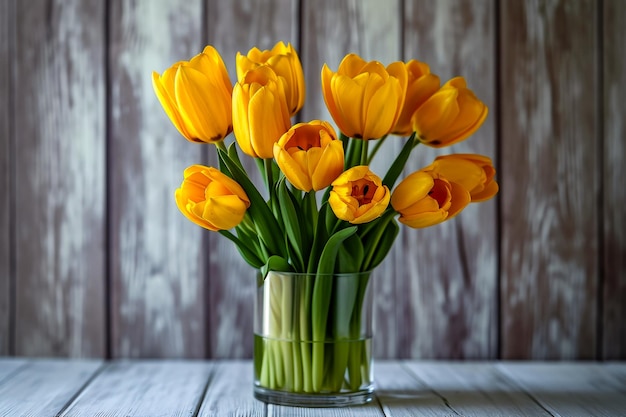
x: 398, y: 164
x: 351, y: 254
x: 384, y: 244
x: 264, y: 219
x: 246, y: 252
x: 319, y: 239
x: 275, y: 263
x: 291, y: 221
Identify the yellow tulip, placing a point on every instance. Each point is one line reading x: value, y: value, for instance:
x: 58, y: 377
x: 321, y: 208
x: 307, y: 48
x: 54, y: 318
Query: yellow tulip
x: 364, y: 98
x: 260, y: 113
x: 474, y: 172
x: 425, y: 198
x: 196, y: 95
x: 358, y: 195
x: 210, y: 199
x: 310, y: 155
x: 285, y: 62
x: 449, y: 116
x: 420, y: 86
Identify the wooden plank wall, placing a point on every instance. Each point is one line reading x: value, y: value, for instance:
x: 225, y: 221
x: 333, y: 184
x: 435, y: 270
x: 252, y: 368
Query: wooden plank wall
x: 96, y: 261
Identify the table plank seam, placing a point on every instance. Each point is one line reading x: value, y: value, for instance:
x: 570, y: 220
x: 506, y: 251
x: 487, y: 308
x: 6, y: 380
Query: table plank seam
x: 210, y: 377
x: 508, y: 377
x: 82, y: 388
x: 416, y: 377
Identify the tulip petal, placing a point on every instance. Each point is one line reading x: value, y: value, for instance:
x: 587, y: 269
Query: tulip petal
x: 167, y: 100
x: 201, y: 104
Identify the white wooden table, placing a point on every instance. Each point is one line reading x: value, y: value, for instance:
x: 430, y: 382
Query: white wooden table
x: 47, y: 387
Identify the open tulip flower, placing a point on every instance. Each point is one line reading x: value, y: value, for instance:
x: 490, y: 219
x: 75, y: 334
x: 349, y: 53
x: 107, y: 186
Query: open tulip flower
x: 196, y: 96
x: 474, y: 172
x: 358, y: 196
x: 260, y: 112
x: 284, y: 60
x: 449, y: 116
x: 310, y: 155
x: 364, y: 98
x: 421, y: 85
x: 426, y: 198
x: 211, y: 199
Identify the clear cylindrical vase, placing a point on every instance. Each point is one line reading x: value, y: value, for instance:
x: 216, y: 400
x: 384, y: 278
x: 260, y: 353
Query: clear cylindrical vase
x: 313, y: 339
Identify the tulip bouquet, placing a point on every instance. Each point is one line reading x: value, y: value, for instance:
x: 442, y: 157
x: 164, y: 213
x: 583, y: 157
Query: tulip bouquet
x: 351, y: 224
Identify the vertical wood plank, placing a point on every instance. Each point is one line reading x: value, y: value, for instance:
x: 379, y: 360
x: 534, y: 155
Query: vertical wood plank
x: 156, y: 253
x: 59, y: 199
x: 447, y: 299
x: 6, y: 113
x: 614, y: 172
x: 232, y: 27
x: 549, y: 179
x: 371, y: 29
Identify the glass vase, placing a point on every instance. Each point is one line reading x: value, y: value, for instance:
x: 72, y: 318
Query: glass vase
x: 313, y: 339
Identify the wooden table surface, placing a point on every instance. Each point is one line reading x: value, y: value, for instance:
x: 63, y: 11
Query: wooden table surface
x: 54, y: 387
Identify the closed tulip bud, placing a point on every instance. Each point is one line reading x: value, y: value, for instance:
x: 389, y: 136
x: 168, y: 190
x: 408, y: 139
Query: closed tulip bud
x: 196, y: 95
x: 425, y: 198
x: 364, y: 98
x: 474, y: 172
x: 449, y: 116
x: 285, y: 62
x: 210, y: 199
x: 420, y: 86
x: 260, y: 113
x: 358, y: 195
x: 310, y: 155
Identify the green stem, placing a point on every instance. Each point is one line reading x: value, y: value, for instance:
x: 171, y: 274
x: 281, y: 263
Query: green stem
x: 364, y: 147
x: 398, y: 164
x: 379, y: 143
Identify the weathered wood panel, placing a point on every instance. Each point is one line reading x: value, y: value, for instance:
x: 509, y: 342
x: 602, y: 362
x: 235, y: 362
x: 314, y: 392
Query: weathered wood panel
x: 157, y: 255
x: 371, y: 29
x: 230, y: 392
x: 550, y: 176
x: 144, y: 388
x: 447, y: 296
x: 59, y: 217
x: 476, y: 389
x: 237, y: 27
x: 569, y: 389
x: 6, y: 115
x: 44, y: 387
x: 613, y: 174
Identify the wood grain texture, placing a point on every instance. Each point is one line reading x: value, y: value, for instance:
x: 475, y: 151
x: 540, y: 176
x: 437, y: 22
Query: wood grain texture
x: 549, y: 179
x: 60, y: 173
x: 44, y: 387
x: 401, y: 394
x: 448, y: 299
x: 570, y: 389
x: 237, y: 27
x: 157, y: 255
x: 476, y: 389
x: 144, y: 388
x: 230, y: 392
x: 9, y: 366
x: 6, y: 114
x: 613, y: 174
x: 371, y: 29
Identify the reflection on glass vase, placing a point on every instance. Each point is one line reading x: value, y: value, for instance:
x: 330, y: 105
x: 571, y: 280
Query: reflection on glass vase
x: 313, y: 339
